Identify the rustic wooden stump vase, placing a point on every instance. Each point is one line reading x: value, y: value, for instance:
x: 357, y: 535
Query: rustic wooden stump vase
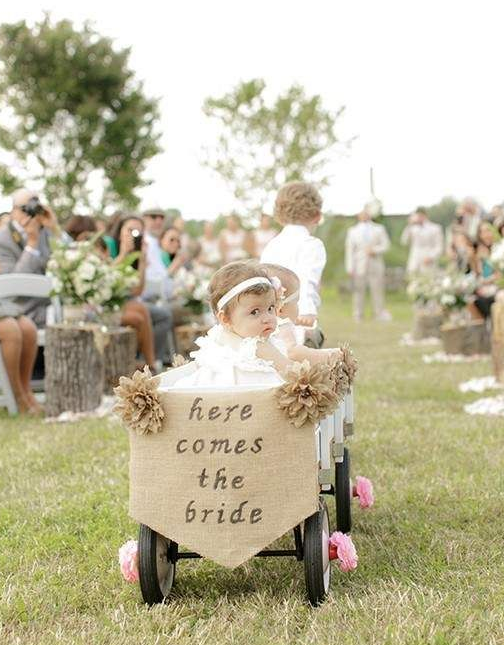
x: 468, y: 338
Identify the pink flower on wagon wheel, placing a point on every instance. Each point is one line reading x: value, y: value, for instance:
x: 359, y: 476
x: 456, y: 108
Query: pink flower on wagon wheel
x: 128, y: 560
x: 342, y: 548
x: 363, y: 489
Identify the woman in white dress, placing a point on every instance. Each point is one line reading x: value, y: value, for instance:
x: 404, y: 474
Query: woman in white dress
x: 210, y: 255
x: 232, y: 240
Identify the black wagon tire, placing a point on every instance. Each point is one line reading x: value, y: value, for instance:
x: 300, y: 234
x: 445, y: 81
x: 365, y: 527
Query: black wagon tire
x: 317, y: 565
x: 155, y: 566
x: 343, y: 494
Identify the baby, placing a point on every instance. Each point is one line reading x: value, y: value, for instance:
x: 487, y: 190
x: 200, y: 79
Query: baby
x: 238, y: 351
x: 287, y: 338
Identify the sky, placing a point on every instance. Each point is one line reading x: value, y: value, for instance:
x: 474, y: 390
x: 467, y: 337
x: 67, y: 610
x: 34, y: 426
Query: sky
x: 421, y: 82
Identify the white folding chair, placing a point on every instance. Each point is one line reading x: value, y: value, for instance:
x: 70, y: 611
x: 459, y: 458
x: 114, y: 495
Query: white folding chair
x: 31, y: 286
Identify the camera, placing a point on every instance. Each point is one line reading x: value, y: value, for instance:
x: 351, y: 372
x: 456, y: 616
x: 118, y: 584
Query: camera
x: 33, y: 207
x: 137, y: 239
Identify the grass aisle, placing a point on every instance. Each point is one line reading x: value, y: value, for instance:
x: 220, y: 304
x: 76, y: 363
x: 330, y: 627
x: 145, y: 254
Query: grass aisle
x: 431, y: 568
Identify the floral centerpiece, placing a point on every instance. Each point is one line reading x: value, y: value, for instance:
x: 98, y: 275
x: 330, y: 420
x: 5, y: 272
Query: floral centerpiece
x: 123, y: 278
x: 192, y: 288
x: 455, y: 290
x: 84, y: 281
x: 424, y: 289
x: 79, y: 276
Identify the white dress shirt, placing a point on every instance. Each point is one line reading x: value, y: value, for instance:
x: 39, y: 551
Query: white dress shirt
x: 361, y: 240
x: 295, y: 248
x: 426, y: 243
x: 155, y: 268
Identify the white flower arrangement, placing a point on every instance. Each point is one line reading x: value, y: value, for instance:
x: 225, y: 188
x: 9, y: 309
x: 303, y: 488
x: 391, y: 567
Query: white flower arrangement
x: 80, y: 276
x: 192, y: 287
x: 425, y: 288
x: 123, y: 279
x: 450, y: 290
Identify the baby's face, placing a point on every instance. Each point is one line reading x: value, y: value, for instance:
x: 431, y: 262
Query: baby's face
x: 254, y: 315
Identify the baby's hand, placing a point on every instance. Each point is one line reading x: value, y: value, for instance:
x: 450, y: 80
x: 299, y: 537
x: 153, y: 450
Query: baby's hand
x: 306, y: 320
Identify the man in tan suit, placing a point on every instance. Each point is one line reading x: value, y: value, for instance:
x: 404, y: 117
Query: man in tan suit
x: 365, y: 244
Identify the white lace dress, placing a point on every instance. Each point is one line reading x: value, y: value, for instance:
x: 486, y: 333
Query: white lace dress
x: 225, y: 359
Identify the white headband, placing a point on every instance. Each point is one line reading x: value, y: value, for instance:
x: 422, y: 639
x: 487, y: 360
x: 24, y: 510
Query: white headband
x: 290, y: 298
x: 239, y: 288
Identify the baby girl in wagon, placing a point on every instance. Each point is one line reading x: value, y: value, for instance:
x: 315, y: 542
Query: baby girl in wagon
x: 237, y: 350
x: 243, y: 348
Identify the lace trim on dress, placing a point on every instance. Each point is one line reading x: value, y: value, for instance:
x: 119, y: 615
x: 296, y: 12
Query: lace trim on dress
x: 214, y: 351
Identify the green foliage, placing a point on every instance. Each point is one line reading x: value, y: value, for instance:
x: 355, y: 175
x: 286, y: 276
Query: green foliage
x: 72, y: 106
x: 430, y: 550
x: 443, y: 212
x: 264, y: 144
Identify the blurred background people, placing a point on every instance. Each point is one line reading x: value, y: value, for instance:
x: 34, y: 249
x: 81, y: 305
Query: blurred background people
x: 210, y: 255
x: 365, y: 244
x: 232, y: 240
x: 425, y: 239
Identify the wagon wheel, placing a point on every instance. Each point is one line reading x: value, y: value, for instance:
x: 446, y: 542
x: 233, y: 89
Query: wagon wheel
x: 343, y: 494
x: 317, y: 565
x: 156, y: 568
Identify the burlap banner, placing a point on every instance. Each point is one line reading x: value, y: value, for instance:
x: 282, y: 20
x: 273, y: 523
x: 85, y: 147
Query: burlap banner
x: 226, y: 475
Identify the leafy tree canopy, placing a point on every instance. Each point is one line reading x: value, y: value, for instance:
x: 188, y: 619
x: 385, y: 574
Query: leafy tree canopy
x: 262, y: 144
x: 74, y: 116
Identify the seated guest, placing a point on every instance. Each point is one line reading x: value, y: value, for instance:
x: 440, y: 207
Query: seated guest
x: 79, y: 224
x: 171, y: 254
x: 24, y: 246
x: 485, y: 293
x: 127, y: 238
x: 462, y: 251
x: 18, y: 344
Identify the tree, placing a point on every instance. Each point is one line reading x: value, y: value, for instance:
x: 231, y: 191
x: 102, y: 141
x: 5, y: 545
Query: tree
x: 443, y: 212
x: 262, y: 145
x: 75, y: 117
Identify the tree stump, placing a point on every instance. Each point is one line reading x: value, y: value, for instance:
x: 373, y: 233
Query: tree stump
x: 427, y: 324
x: 119, y: 356
x: 498, y: 340
x: 468, y: 338
x: 74, y: 368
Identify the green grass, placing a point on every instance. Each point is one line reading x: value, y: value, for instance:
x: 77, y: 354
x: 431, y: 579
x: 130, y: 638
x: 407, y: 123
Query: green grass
x: 430, y: 569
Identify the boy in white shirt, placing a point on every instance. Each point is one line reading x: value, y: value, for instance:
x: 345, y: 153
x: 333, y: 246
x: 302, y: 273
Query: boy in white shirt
x: 298, y: 208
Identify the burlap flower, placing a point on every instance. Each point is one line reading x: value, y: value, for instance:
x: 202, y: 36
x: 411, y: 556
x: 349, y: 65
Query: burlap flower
x: 350, y: 363
x: 179, y: 360
x: 139, y: 406
x: 308, y: 394
x: 338, y: 376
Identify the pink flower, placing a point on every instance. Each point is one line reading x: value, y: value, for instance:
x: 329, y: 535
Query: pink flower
x: 342, y: 548
x: 128, y: 560
x: 363, y: 489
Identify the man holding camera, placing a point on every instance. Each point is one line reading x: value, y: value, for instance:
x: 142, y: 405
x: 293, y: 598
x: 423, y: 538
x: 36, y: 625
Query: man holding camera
x: 24, y: 245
